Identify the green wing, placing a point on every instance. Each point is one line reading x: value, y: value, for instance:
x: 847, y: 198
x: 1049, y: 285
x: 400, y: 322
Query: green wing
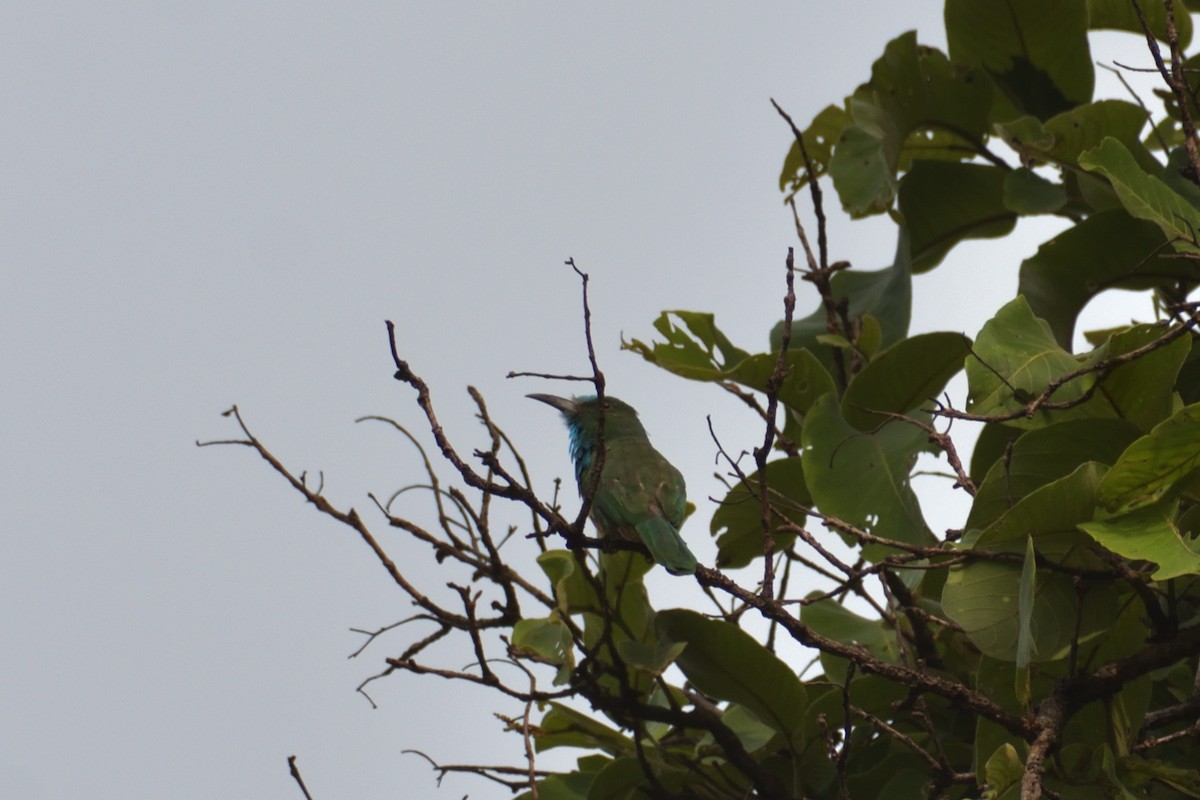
x: 641, y: 495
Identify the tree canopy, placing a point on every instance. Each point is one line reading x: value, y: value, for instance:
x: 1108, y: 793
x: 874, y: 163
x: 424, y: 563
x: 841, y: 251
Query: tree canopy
x: 1049, y: 645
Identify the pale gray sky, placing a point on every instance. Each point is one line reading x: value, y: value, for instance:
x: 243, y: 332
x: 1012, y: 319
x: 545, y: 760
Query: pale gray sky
x: 220, y: 202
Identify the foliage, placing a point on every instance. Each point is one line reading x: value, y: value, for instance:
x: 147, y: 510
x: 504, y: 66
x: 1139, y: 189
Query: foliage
x: 1050, y: 645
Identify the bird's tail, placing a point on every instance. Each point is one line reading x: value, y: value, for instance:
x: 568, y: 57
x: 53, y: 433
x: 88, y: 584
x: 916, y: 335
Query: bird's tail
x: 666, y: 546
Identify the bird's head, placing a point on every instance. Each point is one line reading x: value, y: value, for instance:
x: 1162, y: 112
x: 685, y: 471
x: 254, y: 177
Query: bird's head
x: 582, y: 415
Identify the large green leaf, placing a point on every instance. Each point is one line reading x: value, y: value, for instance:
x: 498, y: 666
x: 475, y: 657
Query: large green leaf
x: 1154, y: 463
x: 863, y: 478
x: 1141, y: 391
x: 1107, y: 250
x: 833, y: 620
x: 1015, y: 358
x: 1051, y: 514
x: 903, y: 377
x: 1120, y: 15
x: 1043, y: 455
x: 753, y: 733
x: 1026, y: 192
x: 911, y: 88
x: 695, y: 348
x: 1037, y: 52
x: 725, y: 662
x: 1148, y: 534
x: 737, y: 522
x: 945, y: 202
x: 984, y: 597
x: 1145, y: 196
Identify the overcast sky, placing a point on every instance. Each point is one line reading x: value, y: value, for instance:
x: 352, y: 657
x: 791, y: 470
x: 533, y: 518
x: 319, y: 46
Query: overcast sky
x: 219, y: 202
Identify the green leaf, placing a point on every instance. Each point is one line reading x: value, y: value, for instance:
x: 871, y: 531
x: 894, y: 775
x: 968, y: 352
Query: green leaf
x: 1080, y: 129
x: 1144, y: 195
x: 870, y: 336
x: 1037, y: 52
x: 1143, y: 390
x: 819, y: 139
x: 563, y: 726
x: 703, y: 353
x: 571, y: 589
x: 737, y: 522
x: 621, y: 780
x: 1004, y: 769
x: 863, y: 478
x: 911, y: 88
x: 885, y: 294
x: 1107, y: 250
x: 549, y: 641
x: 725, y: 662
x: 945, y: 202
x: 569, y: 786
x: 753, y: 733
x: 1050, y: 513
x: 651, y: 657
x: 1120, y: 15
x: 903, y: 377
x: 696, y: 350
x: 832, y: 619
x: 1148, y: 534
x: 1181, y: 779
x: 1154, y: 463
x: 1026, y: 192
x: 1015, y: 359
x: 1043, y: 455
x: 984, y: 597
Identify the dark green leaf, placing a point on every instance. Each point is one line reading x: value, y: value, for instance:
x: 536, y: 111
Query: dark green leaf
x: 563, y: 726
x: 1037, y: 52
x: 863, y: 478
x: 727, y: 663
x: 1043, y: 455
x: 985, y: 596
x: 1141, y: 391
x: 830, y: 618
x: 1026, y: 192
x: 1148, y: 534
x: 651, y: 657
x: 737, y: 522
x: 1154, y: 463
x: 1145, y: 196
x: 749, y: 729
x: 945, y: 202
x: 1015, y: 359
x: 911, y: 88
x: 904, y: 377
x: 1120, y: 15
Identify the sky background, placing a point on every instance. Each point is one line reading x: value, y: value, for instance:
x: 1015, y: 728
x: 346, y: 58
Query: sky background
x: 212, y: 203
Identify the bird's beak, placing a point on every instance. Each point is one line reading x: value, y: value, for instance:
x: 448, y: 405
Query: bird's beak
x: 563, y: 404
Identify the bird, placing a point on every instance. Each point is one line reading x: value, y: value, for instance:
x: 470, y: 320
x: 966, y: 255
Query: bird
x: 641, y: 496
